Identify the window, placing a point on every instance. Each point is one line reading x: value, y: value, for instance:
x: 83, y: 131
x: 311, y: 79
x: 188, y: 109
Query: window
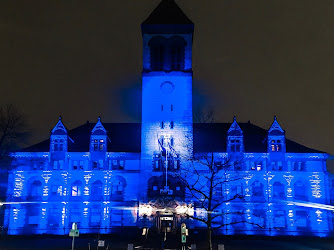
x: 58, y: 145
x: 75, y: 165
x: 117, y: 164
x: 172, y: 141
x: 302, y: 220
x: 300, y: 191
x: 56, y: 190
x: 36, y: 189
x: 171, y: 124
x: 177, y: 52
x: 76, y: 189
x: 276, y: 146
x: 117, y: 190
x: 162, y: 125
x: 256, y: 166
x: 257, y: 191
x: 299, y: 166
x: 98, y: 145
x: 55, y: 165
x: 97, y: 191
x: 95, y: 216
x: 279, y: 219
x: 162, y: 107
x: 278, y: 190
x: 235, y: 145
x: 95, y: 165
x: 171, y: 107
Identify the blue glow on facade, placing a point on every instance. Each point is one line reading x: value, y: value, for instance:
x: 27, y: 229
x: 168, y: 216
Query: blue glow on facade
x: 285, y: 193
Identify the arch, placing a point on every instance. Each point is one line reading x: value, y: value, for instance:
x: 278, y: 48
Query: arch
x: 34, y: 189
x: 278, y: 190
x: 300, y: 191
x: 257, y: 191
x: 76, y: 189
x: 117, y: 188
x: 96, y: 192
x: 176, y: 47
x: 237, y: 190
x: 157, y: 46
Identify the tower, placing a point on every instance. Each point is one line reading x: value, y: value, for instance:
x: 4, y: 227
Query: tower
x: 167, y: 123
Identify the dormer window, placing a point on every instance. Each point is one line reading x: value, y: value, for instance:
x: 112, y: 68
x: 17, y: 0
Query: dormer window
x: 276, y: 146
x: 235, y: 138
x: 58, y: 145
x: 235, y: 145
x: 98, y: 145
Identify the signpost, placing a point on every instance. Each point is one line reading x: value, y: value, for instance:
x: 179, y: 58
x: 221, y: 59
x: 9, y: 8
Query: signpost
x: 74, y: 232
x: 184, y: 233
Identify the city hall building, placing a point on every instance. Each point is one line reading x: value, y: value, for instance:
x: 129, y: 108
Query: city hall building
x: 109, y: 177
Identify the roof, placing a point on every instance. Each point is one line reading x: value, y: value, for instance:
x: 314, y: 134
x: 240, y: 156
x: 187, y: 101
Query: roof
x: 167, y: 12
x: 208, y: 137
x: 167, y: 18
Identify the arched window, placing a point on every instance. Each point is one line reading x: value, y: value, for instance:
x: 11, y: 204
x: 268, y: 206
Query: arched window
x: 257, y: 191
x: 176, y: 46
x: 96, y: 192
x: 278, y: 190
x: 300, y: 191
x: 118, y: 189
x: 157, y: 49
x: 35, y: 191
x: 237, y: 190
x: 76, y: 190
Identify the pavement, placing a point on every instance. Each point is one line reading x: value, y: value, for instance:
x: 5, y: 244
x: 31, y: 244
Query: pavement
x: 155, y: 243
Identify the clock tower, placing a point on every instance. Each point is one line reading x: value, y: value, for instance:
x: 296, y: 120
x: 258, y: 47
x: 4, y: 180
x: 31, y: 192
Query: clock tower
x: 167, y: 122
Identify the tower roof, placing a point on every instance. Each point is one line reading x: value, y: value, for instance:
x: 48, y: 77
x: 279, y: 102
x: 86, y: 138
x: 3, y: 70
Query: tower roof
x: 167, y: 12
x: 169, y: 17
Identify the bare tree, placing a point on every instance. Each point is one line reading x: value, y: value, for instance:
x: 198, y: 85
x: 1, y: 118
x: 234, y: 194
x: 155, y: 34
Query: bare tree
x: 206, y: 178
x: 13, y: 133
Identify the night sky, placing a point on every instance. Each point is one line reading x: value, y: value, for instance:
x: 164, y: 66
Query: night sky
x: 253, y: 59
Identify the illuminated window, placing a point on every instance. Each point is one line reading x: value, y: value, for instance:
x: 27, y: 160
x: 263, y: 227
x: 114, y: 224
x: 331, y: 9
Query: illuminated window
x: 276, y: 146
x: 101, y: 146
x: 56, y: 190
x: 76, y: 189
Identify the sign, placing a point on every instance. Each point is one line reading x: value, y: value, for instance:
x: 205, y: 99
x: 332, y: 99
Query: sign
x: 74, y: 232
x: 183, y: 238
x: 100, y: 243
x: 184, y: 233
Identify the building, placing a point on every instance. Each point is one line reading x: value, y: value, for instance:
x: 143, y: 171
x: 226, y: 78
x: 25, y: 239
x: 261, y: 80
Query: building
x: 103, y: 175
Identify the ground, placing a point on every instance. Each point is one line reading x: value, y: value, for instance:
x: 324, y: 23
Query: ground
x: 154, y: 242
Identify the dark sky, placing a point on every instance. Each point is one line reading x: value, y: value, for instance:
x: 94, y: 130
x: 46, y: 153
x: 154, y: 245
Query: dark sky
x: 253, y: 59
